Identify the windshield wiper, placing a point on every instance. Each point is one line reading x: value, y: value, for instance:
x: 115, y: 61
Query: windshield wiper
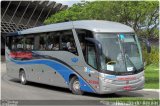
x: 126, y: 55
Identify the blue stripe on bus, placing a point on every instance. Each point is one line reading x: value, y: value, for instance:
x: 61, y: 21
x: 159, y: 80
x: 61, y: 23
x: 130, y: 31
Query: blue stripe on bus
x: 64, y: 71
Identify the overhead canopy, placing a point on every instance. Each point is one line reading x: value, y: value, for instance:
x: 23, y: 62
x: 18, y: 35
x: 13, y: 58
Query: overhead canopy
x: 19, y: 15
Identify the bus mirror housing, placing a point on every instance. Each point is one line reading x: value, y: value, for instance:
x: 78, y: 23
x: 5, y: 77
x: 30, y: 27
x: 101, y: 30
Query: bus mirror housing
x: 97, y: 44
x: 147, y: 44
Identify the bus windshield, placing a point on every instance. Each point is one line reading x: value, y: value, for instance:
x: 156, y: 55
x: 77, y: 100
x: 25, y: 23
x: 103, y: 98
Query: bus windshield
x: 120, y: 52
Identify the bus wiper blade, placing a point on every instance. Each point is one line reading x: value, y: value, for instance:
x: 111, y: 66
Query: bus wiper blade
x: 130, y: 61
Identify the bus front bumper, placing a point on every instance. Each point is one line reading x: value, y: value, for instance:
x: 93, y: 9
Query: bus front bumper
x: 111, y: 86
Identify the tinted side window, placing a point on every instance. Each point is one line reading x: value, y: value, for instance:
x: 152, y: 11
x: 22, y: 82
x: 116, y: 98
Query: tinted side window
x: 42, y: 42
x: 88, y: 48
x: 17, y: 43
x: 82, y: 34
x: 29, y: 43
x: 91, y: 55
x: 9, y: 42
x: 49, y: 41
x: 53, y: 41
x: 68, y: 42
x: 20, y: 42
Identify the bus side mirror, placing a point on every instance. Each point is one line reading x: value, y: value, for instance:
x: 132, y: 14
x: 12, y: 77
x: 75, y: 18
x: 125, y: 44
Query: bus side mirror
x: 97, y: 43
x: 147, y: 44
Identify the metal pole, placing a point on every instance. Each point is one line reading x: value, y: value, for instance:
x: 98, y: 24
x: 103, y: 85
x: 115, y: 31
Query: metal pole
x: 62, y: 8
x: 39, y: 16
x: 49, y: 11
x: 15, y: 12
x: 57, y: 7
x: 24, y: 13
x: 6, y: 9
x: 32, y: 14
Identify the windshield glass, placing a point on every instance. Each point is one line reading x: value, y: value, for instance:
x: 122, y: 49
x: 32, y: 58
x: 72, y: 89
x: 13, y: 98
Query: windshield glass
x: 121, y: 52
x: 132, y: 51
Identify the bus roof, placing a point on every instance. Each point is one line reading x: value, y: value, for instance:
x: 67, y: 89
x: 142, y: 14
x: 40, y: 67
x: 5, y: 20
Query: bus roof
x: 92, y: 25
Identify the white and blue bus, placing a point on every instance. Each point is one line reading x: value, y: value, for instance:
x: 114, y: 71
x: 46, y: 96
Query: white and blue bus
x: 85, y: 56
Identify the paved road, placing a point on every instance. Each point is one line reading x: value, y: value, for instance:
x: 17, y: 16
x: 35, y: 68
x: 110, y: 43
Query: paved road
x: 13, y: 90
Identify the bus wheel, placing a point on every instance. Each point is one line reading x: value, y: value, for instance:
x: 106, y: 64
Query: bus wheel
x: 22, y: 77
x: 75, y: 86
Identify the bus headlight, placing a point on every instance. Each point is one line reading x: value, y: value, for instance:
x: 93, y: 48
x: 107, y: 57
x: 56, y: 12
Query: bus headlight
x: 141, y: 78
x: 107, y: 80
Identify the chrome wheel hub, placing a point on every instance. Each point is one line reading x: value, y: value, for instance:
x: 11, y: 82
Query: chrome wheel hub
x: 22, y: 78
x: 76, y: 85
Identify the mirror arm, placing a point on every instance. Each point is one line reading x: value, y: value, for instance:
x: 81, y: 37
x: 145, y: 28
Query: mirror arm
x: 147, y: 43
x: 97, y: 43
x: 99, y: 49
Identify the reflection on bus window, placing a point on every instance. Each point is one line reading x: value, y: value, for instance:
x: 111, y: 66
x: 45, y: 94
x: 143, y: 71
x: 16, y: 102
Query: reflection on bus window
x: 29, y: 43
x: 91, y: 56
x: 53, y: 41
x: 42, y: 42
x: 68, y: 42
x: 18, y: 43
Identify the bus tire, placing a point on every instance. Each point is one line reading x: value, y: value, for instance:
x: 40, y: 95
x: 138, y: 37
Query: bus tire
x: 22, y: 77
x: 75, y: 86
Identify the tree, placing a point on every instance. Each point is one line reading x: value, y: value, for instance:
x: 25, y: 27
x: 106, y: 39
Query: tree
x: 142, y: 16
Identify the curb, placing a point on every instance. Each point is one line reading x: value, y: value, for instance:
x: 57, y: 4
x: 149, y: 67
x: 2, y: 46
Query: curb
x: 153, y: 90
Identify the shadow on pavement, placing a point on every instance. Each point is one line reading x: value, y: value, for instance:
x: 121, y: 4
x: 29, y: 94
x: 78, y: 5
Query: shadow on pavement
x: 66, y: 90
